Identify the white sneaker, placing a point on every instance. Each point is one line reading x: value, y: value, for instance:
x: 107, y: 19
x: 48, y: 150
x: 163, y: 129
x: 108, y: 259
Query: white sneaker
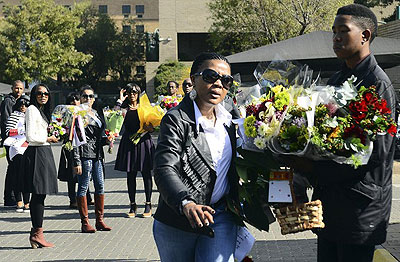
x: 20, y: 209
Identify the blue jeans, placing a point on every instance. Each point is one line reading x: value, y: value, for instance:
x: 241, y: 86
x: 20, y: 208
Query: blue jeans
x: 91, y: 168
x: 175, y: 245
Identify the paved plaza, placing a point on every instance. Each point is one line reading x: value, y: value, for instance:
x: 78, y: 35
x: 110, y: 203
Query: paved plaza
x: 131, y: 238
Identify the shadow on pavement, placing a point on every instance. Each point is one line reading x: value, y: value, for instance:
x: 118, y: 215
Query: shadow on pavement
x: 290, y: 250
x: 96, y: 260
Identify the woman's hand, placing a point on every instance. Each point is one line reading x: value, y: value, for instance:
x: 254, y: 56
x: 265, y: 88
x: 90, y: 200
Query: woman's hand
x: 198, y: 215
x: 148, y: 128
x: 52, y: 139
x: 77, y: 170
x: 122, y: 95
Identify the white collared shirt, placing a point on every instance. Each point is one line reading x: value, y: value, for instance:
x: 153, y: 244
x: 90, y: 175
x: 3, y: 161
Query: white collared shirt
x: 220, y: 146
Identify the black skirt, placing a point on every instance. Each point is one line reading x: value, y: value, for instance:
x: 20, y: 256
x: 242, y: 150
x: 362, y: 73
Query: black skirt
x: 39, y: 174
x: 133, y: 158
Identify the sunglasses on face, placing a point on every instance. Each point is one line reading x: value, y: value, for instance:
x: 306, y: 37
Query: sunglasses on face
x: 210, y: 76
x: 76, y: 98
x: 187, y: 84
x: 25, y: 103
x: 42, y: 93
x: 88, y: 96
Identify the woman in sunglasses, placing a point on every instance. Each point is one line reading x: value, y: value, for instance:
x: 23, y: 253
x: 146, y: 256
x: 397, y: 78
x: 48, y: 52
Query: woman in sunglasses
x: 89, y: 162
x: 65, y: 172
x: 15, y: 128
x: 132, y: 158
x: 194, y: 170
x: 40, y: 174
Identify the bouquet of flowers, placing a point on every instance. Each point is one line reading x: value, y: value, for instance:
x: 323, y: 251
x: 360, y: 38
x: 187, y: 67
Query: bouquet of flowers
x: 264, y: 115
x: 345, y: 128
x: 59, y: 129
x: 63, y: 124
x: 168, y: 102
x: 148, y: 114
x: 114, y: 119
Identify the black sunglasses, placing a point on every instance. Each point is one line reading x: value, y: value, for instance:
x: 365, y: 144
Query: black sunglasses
x: 42, y: 93
x: 187, y: 84
x: 76, y: 98
x: 88, y: 96
x: 211, y: 76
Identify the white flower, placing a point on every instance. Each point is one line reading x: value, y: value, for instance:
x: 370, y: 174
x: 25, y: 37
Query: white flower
x: 263, y: 129
x: 260, y: 142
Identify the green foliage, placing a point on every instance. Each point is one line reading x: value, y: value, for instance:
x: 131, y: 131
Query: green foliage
x: 169, y: 71
x: 239, y: 25
x: 37, y: 41
x: 372, y: 3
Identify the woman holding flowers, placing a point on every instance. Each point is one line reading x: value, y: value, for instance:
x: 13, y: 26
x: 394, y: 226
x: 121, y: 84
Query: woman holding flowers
x: 39, y: 173
x: 135, y: 156
x: 195, y: 171
x: 66, y: 163
x: 89, y: 162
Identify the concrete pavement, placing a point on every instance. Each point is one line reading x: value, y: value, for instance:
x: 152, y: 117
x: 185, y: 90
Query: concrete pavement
x: 131, y: 238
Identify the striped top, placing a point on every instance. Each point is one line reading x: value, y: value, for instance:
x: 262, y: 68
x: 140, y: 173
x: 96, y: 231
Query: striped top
x: 12, y: 122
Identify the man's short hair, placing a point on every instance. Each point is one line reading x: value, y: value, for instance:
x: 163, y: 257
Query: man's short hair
x: 362, y: 16
x: 16, y: 82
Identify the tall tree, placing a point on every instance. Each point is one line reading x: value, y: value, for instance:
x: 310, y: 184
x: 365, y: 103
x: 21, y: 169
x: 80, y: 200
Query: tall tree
x: 239, y: 25
x: 37, y: 41
x: 115, y: 53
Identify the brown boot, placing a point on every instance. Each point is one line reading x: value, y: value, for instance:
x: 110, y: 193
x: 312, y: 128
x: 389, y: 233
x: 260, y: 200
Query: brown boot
x: 83, y: 211
x: 37, y: 239
x: 99, y: 211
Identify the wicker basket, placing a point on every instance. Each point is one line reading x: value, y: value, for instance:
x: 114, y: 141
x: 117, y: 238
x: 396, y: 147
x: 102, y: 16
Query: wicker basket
x: 299, y: 217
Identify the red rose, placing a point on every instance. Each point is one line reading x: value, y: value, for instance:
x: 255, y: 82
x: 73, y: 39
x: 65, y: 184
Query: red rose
x: 359, y: 116
x: 354, y: 131
x: 392, y: 130
x: 357, y: 107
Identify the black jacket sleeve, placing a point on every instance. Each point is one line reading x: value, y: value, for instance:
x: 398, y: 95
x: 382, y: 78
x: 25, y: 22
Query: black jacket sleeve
x: 168, y: 161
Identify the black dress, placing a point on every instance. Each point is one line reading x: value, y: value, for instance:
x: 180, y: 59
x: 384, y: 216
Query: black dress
x: 131, y: 157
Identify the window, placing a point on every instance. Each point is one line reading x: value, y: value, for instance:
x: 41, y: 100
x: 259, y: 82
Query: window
x: 139, y: 9
x: 140, y: 70
x: 126, y: 29
x: 140, y: 29
x: 139, y: 16
x: 103, y: 9
x: 126, y: 9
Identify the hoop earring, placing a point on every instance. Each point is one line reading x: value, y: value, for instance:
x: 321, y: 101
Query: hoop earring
x: 193, y: 94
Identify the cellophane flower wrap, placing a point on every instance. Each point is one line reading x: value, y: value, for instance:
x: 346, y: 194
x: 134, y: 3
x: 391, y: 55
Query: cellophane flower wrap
x: 148, y: 114
x: 114, y: 119
x: 347, y: 122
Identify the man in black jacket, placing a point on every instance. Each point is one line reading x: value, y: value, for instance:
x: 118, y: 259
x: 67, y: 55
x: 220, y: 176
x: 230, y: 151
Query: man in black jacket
x: 356, y: 202
x: 6, y: 108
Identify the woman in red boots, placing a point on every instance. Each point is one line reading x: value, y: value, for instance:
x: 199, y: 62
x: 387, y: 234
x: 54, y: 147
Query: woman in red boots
x: 89, y: 162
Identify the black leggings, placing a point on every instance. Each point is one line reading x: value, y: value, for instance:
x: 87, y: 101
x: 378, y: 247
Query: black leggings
x: 37, y: 210
x: 148, y: 184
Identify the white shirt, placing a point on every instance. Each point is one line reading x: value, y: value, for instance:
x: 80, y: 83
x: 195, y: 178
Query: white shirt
x: 36, y: 127
x: 220, y: 146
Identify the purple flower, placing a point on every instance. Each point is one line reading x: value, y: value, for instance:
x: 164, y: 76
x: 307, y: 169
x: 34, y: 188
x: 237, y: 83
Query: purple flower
x: 299, y: 121
x: 279, y: 115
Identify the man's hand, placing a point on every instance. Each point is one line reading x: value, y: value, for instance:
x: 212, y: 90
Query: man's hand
x: 77, y: 170
x: 198, y: 215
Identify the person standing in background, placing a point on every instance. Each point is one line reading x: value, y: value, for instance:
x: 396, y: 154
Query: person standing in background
x: 65, y: 172
x: 6, y: 108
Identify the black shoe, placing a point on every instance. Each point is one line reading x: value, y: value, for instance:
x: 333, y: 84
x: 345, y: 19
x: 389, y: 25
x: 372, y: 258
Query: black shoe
x: 132, y: 211
x: 10, y: 203
x: 73, y: 205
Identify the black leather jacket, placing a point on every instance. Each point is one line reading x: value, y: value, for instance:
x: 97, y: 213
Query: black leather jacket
x: 95, y: 140
x: 184, y: 167
x: 357, y: 202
